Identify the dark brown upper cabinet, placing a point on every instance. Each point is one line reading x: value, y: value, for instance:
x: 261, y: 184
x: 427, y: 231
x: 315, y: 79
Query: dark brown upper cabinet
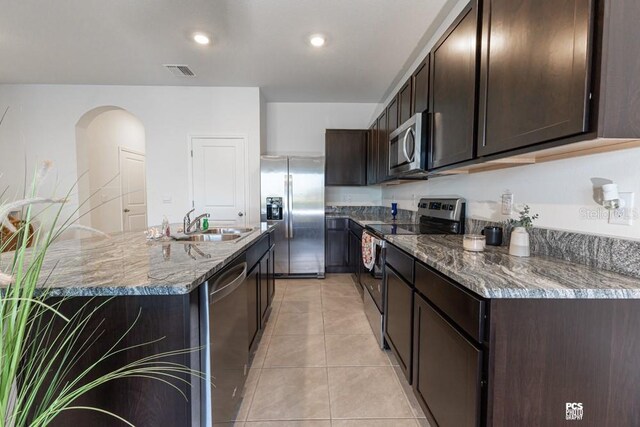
x: 454, y: 67
x: 535, y: 79
x: 392, y: 115
x: 383, y: 147
x: 372, y: 155
x: 420, y: 80
x: 405, y: 110
x: 346, y: 157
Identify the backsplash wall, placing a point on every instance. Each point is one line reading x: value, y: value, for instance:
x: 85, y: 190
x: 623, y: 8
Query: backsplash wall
x: 560, y: 191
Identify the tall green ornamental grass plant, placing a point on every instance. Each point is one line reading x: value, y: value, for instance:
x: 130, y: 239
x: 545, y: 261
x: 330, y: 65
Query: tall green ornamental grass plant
x: 35, y: 357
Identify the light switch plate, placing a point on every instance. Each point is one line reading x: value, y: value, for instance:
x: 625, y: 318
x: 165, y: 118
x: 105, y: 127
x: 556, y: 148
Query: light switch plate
x: 623, y: 216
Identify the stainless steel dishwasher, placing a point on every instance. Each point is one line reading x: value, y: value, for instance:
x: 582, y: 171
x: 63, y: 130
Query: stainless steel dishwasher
x: 225, y: 354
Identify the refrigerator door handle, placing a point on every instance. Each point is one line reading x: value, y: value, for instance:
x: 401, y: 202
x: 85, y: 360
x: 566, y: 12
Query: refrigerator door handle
x: 286, y: 206
x: 291, y: 206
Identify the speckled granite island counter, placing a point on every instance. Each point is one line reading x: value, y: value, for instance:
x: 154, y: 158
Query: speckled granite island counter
x: 129, y: 264
x: 203, y: 304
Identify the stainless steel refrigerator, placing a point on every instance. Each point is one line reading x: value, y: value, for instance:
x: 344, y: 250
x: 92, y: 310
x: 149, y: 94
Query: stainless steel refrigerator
x: 292, y: 197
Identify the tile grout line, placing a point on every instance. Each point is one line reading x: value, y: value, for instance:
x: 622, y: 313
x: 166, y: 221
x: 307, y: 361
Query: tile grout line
x: 275, y: 318
x: 326, y: 360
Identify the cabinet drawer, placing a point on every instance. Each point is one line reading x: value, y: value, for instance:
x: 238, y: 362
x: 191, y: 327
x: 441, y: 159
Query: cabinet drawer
x: 255, y: 252
x: 337, y: 223
x: 356, y: 228
x: 465, y: 309
x: 401, y: 262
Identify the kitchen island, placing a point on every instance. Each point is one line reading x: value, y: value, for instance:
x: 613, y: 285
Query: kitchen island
x: 492, y: 339
x: 161, y: 294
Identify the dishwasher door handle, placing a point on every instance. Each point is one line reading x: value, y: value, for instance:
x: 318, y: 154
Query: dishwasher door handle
x: 220, y: 293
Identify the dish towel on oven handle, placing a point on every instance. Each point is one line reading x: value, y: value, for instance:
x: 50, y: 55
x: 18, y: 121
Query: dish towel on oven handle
x: 369, y: 247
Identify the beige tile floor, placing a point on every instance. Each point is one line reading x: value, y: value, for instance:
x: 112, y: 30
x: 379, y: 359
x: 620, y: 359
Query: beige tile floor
x: 318, y: 364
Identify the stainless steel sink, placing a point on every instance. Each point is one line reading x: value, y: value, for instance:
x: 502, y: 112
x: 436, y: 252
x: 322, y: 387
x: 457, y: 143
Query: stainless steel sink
x: 208, y: 237
x: 221, y: 230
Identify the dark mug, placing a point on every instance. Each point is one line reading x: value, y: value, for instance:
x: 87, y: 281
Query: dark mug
x: 493, y: 235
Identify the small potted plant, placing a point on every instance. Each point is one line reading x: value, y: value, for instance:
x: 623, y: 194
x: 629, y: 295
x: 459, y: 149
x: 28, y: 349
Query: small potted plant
x: 519, y: 243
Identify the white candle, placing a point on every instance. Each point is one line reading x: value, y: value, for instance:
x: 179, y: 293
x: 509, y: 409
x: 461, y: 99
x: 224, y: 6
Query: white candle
x: 473, y: 242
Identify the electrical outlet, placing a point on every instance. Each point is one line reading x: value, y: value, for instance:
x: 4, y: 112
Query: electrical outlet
x: 507, y: 203
x: 623, y: 216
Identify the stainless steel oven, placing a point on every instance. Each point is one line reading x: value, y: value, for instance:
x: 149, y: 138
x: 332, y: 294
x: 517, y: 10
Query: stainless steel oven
x: 408, y: 147
x: 373, y: 298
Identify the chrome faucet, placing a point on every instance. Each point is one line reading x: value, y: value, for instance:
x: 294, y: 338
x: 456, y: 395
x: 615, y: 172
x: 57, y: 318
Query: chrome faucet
x: 187, y: 224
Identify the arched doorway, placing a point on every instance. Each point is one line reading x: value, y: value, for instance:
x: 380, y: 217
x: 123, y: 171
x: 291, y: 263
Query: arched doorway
x: 110, y: 147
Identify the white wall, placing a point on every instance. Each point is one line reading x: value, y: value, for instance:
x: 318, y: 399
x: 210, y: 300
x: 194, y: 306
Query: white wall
x: 560, y: 191
x: 298, y: 128
x: 104, y: 134
x: 41, y: 125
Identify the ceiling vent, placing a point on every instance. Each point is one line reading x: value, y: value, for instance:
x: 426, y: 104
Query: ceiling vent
x: 180, y: 70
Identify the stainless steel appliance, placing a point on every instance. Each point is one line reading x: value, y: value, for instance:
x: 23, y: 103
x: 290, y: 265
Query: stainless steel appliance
x: 441, y: 215
x: 408, y: 148
x: 371, y: 281
x: 224, y: 321
x: 292, y: 197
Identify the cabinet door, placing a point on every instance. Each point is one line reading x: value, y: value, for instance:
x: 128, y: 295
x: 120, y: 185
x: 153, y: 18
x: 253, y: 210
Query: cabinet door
x: 337, y: 246
x: 453, y: 89
x: 383, y: 147
x: 421, y: 87
x: 535, y: 72
x: 405, y: 110
x: 355, y: 251
x: 447, y: 370
x: 372, y: 155
x: 392, y: 116
x: 346, y: 157
x: 272, y: 277
x: 253, y: 306
x: 398, y: 321
x: 264, y: 289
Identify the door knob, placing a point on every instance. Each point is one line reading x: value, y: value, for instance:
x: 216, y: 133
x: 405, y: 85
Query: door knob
x: 126, y: 210
x: 240, y: 214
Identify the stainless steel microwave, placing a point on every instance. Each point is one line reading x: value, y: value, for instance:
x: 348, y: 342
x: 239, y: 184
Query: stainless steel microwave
x: 408, y: 147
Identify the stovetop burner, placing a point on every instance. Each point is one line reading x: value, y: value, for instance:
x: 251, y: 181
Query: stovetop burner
x: 444, y: 215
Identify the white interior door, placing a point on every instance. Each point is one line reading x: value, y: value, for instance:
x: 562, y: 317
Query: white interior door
x: 133, y: 190
x: 219, y: 178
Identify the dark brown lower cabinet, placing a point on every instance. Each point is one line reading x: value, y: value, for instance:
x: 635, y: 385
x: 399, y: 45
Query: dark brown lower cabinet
x: 264, y: 289
x: 253, y: 303
x: 447, y: 370
x: 337, y: 245
x: 398, y: 321
x: 271, y: 278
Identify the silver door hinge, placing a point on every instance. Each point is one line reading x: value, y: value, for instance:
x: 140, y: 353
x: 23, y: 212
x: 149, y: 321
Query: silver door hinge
x: 191, y: 153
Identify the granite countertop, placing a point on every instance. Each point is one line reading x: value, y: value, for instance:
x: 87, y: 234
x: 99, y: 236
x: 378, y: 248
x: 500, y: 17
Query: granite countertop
x: 128, y: 264
x: 496, y: 274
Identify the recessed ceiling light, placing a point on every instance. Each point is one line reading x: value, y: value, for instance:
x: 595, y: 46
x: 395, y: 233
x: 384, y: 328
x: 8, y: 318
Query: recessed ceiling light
x: 317, y: 40
x: 201, y: 38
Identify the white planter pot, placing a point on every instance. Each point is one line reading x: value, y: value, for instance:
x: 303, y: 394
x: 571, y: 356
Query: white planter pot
x: 519, y: 244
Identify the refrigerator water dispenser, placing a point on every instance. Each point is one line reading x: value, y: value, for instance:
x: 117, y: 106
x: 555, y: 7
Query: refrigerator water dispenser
x: 274, y: 208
